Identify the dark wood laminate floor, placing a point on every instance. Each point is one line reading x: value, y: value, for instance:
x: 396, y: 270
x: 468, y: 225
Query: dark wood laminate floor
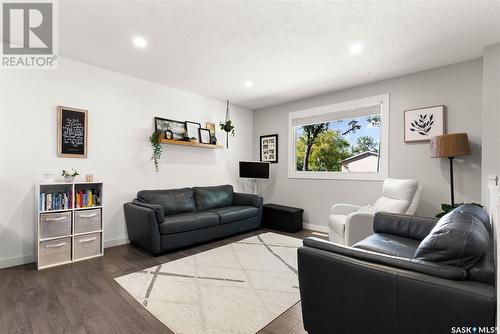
x: 84, y: 298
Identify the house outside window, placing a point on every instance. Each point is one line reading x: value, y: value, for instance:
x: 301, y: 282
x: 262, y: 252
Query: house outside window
x: 347, y: 140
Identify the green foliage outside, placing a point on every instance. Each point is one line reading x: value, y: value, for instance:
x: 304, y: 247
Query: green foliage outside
x: 325, y: 155
x: 321, y: 148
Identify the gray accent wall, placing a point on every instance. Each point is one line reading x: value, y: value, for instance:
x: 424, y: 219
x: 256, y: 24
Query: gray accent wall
x: 458, y: 86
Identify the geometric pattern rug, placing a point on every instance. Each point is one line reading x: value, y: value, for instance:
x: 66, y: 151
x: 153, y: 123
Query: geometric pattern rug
x: 237, y: 288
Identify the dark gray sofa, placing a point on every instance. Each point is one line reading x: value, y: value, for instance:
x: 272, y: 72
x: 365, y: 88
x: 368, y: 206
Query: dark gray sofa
x: 164, y: 220
x: 381, y: 285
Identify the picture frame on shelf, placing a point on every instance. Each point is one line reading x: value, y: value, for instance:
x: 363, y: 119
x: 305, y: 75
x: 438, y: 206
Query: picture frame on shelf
x: 72, y: 132
x: 177, y: 128
x: 269, y: 148
x: 211, y: 127
x: 423, y: 123
x: 204, y: 136
x: 169, y: 135
x: 192, y: 129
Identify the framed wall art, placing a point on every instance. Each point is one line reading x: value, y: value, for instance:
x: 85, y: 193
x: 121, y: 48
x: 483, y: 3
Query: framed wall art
x: 72, y: 131
x: 204, y: 136
x: 269, y: 148
x: 423, y: 123
x: 177, y: 128
x: 192, y: 129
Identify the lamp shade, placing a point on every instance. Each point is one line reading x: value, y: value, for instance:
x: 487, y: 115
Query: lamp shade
x: 450, y: 145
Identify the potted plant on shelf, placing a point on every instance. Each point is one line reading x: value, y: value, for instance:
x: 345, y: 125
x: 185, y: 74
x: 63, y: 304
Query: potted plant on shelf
x: 69, y: 175
x: 154, y: 140
x: 227, y: 126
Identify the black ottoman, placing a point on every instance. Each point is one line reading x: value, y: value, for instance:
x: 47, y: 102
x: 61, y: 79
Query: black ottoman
x: 282, y: 218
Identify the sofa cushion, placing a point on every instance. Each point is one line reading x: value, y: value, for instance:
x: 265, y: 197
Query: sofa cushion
x: 460, y: 238
x: 213, y: 197
x: 184, y: 222
x: 173, y: 200
x: 389, y: 244
x: 235, y: 213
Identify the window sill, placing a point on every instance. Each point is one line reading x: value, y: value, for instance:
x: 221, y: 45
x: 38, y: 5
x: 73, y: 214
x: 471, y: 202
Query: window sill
x: 337, y: 176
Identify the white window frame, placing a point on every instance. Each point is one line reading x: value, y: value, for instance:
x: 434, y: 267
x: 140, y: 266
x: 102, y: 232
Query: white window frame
x: 342, y: 107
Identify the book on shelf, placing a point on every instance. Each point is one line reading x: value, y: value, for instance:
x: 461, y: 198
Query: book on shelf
x: 87, y: 198
x: 50, y: 201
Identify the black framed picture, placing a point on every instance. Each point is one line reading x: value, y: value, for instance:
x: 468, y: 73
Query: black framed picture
x: 192, y: 130
x: 204, y: 136
x: 269, y: 148
x: 177, y: 128
x: 72, y: 129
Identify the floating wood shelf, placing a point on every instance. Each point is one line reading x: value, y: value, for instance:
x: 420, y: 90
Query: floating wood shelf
x: 188, y: 143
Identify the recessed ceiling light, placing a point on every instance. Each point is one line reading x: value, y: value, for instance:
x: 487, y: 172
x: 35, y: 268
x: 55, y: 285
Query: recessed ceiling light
x: 356, y: 48
x: 248, y: 84
x: 140, y: 42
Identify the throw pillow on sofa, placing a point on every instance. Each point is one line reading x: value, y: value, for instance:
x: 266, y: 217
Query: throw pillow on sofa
x: 460, y: 238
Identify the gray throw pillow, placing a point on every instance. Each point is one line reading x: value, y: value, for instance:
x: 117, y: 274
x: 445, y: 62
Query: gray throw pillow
x: 460, y: 238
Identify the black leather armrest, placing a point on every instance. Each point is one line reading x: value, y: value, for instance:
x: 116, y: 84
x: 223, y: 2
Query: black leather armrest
x: 247, y: 199
x: 158, y: 209
x: 142, y: 227
x: 407, y: 226
x: 344, y: 294
x: 429, y: 268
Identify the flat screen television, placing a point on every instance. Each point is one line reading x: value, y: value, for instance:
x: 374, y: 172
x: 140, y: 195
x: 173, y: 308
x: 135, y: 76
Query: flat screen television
x: 254, y: 169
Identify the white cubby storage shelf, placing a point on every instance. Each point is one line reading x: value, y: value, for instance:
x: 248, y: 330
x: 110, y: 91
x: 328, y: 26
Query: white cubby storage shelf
x: 71, y: 232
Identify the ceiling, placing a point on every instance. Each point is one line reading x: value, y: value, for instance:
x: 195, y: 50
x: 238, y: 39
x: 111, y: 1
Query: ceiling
x: 290, y: 50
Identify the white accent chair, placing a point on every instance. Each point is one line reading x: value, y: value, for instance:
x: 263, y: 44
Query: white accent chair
x: 350, y: 223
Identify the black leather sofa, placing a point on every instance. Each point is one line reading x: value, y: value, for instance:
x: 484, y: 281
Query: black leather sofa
x: 381, y: 286
x: 164, y: 220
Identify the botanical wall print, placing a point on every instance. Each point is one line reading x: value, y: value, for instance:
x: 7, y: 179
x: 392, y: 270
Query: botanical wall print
x: 72, y: 132
x: 269, y: 148
x: 424, y: 123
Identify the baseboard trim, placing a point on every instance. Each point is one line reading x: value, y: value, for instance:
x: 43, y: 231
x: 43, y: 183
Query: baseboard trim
x: 317, y: 228
x: 17, y: 261
x: 25, y: 259
x: 116, y: 242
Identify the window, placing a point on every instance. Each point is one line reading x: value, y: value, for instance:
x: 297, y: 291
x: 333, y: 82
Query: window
x: 347, y: 140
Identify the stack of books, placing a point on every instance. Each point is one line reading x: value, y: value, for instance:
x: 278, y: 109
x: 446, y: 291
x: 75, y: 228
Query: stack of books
x: 56, y: 201
x: 87, y: 198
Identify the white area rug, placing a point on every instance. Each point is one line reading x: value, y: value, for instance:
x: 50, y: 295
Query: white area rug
x: 236, y: 288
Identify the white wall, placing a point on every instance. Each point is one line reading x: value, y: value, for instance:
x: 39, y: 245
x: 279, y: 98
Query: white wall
x: 457, y: 86
x: 490, y: 116
x: 121, y: 110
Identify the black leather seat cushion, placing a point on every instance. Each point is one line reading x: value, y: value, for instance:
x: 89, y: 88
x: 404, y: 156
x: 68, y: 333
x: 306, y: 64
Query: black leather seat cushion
x: 234, y: 213
x: 213, y: 197
x: 389, y: 244
x: 173, y: 200
x: 460, y: 238
x: 184, y: 222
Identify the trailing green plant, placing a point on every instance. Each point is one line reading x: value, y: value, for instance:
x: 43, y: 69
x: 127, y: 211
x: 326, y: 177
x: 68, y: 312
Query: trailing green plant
x: 154, y: 139
x: 448, y: 208
x: 69, y: 173
x: 227, y: 126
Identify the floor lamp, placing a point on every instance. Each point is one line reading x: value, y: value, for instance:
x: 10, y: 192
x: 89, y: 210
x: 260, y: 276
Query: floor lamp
x: 450, y: 146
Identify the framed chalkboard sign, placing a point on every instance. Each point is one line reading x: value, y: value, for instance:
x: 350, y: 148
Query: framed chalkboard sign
x: 71, y: 132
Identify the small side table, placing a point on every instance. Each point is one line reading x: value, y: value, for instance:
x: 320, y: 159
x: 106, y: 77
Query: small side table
x: 282, y: 218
